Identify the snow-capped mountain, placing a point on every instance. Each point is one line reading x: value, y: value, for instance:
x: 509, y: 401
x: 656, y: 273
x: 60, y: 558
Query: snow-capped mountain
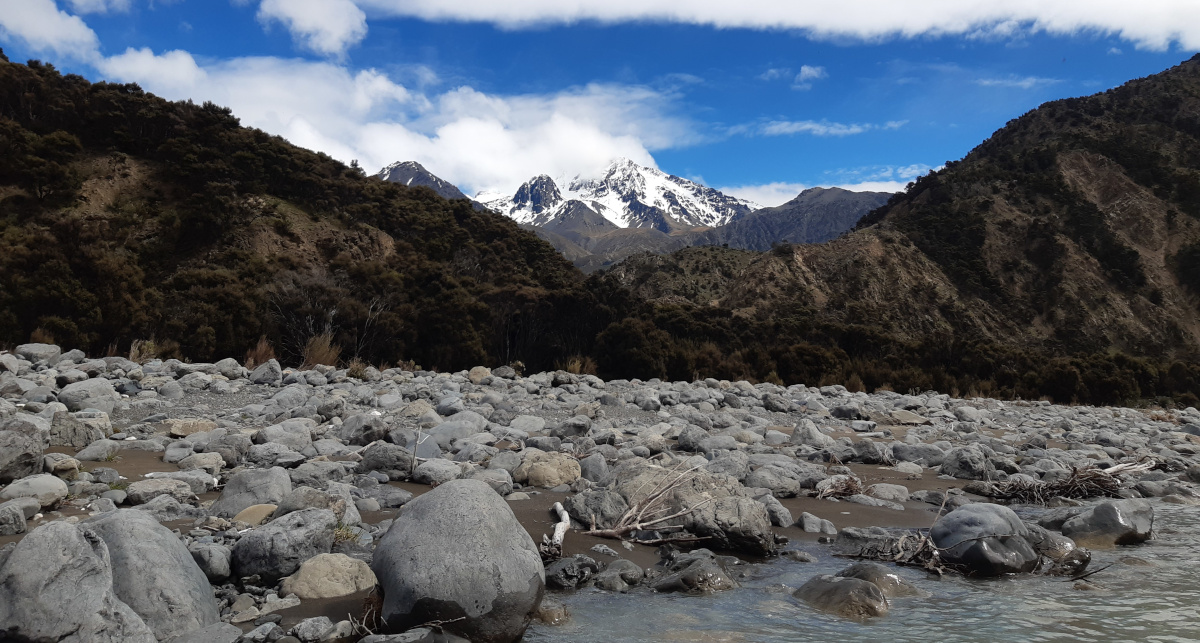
x: 413, y: 174
x: 625, y: 193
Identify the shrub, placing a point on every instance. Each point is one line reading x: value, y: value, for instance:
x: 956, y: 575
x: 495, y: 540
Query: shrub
x: 262, y: 353
x: 41, y: 336
x: 320, y: 349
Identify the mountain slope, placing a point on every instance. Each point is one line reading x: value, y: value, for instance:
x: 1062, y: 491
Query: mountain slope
x: 1060, y: 257
x: 626, y: 194
x: 124, y: 216
x: 814, y: 216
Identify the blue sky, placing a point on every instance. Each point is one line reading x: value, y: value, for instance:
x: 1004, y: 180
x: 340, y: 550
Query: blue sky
x: 760, y: 98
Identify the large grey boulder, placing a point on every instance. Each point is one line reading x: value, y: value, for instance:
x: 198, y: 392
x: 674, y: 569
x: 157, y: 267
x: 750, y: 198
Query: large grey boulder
x: 887, y: 580
x: 848, y: 597
x: 599, y: 506
x: 394, y: 461
x: 58, y: 586
x: 80, y: 395
x: 724, y: 512
x: 35, y: 353
x: 268, y: 372
x: 252, y: 487
x: 966, y: 463
x: 278, y: 548
x: 20, y: 456
x: 984, y: 540
x: 459, y: 552
x: 1120, y: 522
x: 45, y: 488
x: 66, y: 431
x: 154, y: 573
x: 293, y: 434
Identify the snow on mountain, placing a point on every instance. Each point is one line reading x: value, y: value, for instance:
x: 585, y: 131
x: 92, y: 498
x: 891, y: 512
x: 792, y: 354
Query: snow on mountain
x: 412, y: 174
x: 625, y: 193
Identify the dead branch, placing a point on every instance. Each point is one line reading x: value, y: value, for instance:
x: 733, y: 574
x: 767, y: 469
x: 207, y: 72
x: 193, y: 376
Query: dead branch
x: 551, y: 548
x: 1086, y: 482
x: 651, y: 511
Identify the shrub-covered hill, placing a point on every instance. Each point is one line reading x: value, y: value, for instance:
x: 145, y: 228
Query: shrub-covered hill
x: 124, y: 216
x: 1060, y: 258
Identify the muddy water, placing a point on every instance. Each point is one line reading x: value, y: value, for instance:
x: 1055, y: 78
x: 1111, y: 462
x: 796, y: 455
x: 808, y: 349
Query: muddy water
x: 1150, y: 593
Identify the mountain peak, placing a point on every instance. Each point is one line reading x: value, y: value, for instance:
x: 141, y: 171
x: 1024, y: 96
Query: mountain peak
x: 628, y: 195
x: 413, y: 174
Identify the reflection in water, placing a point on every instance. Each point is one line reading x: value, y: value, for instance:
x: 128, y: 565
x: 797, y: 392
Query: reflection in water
x: 1149, y: 594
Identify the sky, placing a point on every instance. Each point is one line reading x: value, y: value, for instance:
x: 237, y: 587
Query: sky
x: 758, y: 98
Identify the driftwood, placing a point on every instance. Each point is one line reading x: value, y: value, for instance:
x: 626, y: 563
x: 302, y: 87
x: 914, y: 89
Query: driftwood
x: 1087, y: 482
x: 551, y: 547
x: 651, y: 512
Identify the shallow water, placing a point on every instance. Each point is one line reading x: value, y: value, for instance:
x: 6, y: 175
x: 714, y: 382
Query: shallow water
x: 1135, y: 603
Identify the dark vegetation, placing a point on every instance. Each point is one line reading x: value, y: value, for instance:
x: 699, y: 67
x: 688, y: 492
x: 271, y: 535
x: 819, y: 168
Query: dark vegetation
x: 217, y: 236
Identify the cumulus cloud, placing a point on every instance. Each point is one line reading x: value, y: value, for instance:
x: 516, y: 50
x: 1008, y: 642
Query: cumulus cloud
x: 45, y: 29
x: 1153, y: 24
x: 327, y: 27
x: 476, y: 140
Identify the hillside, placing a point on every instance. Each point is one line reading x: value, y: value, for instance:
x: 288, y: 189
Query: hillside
x: 124, y: 217
x: 814, y: 216
x: 1061, y: 257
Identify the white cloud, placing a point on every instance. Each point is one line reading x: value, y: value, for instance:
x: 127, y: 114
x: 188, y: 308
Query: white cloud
x: 767, y: 195
x: 478, y: 141
x: 816, y: 128
x: 1114, y: 51
x: 328, y: 27
x: 775, y: 73
x: 46, y: 29
x: 99, y: 6
x: 1153, y: 24
x: 809, y: 72
x: 1016, y: 82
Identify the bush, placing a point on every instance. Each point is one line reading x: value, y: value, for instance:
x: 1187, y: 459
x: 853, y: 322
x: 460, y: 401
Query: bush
x: 320, y: 349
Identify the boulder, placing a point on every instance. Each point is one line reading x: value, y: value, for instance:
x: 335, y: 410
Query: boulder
x: 394, y: 461
x: 570, y: 573
x: 603, y: 506
x: 183, y: 427
x: 966, y: 463
x: 45, y: 488
x: 888, y: 581
x: 436, y: 472
x: 984, y: 540
x: 458, y: 552
x: 144, y: 491
x: 362, y: 429
x: 35, y: 352
x: 594, y: 468
x: 99, y: 451
x: 165, y: 508
x: 329, y: 576
x: 154, y: 573
x: 278, y: 548
x: 252, y: 487
x: 20, y: 456
x: 268, y: 373
x: 12, y: 519
x: 847, y: 597
x: 214, y: 560
x: 80, y: 395
x: 1119, y: 522
x: 67, y: 431
x: 57, y: 586
x: 548, y: 470
x: 294, y: 434
x: 806, y: 434
x: 723, y: 510
x: 696, y: 572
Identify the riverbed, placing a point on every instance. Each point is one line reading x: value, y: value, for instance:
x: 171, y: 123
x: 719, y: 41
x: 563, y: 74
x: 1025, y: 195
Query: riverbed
x: 1148, y: 594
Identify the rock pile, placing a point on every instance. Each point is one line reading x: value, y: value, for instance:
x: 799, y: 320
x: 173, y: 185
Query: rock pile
x: 300, y: 456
